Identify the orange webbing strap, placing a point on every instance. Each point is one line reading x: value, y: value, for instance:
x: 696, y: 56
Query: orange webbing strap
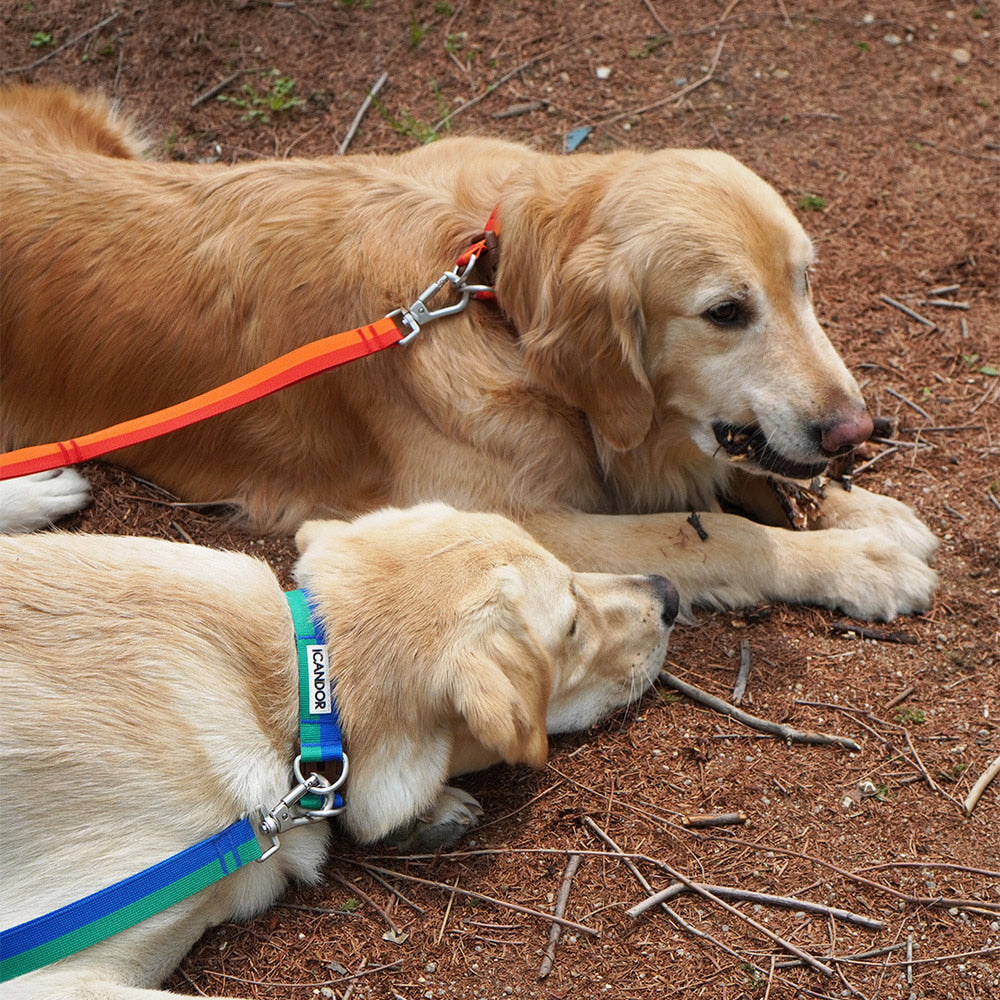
x: 302, y: 363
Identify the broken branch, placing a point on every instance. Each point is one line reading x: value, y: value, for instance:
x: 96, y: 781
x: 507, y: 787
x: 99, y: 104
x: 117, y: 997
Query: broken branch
x: 783, y: 732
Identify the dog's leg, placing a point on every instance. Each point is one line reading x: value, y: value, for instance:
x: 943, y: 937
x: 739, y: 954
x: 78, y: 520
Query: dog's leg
x: 738, y: 563
x: 31, y: 502
x: 858, y: 508
x: 452, y: 816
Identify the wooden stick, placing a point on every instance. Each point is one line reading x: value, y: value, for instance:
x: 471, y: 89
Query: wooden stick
x: 909, y: 402
x: 765, y: 899
x: 361, y: 112
x: 906, y: 310
x: 351, y: 887
x: 556, y: 930
x: 656, y: 17
x: 852, y: 631
x: 859, y: 956
x: 719, y: 819
x: 743, y: 674
x: 763, y: 725
x: 706, y: 893
x: 981, y: 785
x: 900, y: 698
x: 579, y: 928
x: 207, y: 95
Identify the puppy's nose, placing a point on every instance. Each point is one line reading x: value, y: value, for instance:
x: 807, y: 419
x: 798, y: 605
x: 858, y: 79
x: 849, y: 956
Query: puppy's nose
x: 669, y: 598
x: 844, y: 434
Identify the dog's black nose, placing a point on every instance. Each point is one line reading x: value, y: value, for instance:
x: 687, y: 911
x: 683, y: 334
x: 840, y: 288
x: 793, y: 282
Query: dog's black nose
x: 668, y: 598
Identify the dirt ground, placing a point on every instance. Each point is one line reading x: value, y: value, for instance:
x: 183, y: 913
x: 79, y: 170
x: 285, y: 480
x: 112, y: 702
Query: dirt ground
x: 879, y: 124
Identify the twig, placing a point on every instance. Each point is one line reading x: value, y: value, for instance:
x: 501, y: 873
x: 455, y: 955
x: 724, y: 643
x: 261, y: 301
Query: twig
x: 765, y: 899
x: 909, y: 403
x: 353, y: 888
x: 675, y: 96
x: 909, y: 960
x: 993, y: 500
x: 718, y: 819
x: 706, y: 893
x: 865, y: 466
x: 369, y: 971
x: 656, y: 17
x: 980, y: 786
x: 927, y: 775
x: 763, y: 725
x: 207, y: 95
x: 361, y: 112
x: 695, y: 521
x: 579, y: 928
x: 673, y: 914
x: 447, y: 914
x: 65, y: 45
x: 490, y: 88
x: 852, y: 631
x: 906, y: 310
x: 859, y: 956
x: 743, y: 674
x: 900, y: 698
x: 946, y: 304
x: 550, y: 949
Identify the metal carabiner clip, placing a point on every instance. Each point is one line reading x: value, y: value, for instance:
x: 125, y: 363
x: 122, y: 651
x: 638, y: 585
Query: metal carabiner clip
x: 419, y: 314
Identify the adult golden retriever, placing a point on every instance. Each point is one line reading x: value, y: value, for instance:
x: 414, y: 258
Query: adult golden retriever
x: 652, y: 347
x: 150, y: 694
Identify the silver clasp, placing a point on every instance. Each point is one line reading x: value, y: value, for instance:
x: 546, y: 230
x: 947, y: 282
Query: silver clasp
x: 288, y: 813
x: 419, y: 314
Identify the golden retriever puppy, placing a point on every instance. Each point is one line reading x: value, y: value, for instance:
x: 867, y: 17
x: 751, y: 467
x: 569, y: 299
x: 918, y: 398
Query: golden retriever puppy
x: 652, y: 347
x: 150, y: 692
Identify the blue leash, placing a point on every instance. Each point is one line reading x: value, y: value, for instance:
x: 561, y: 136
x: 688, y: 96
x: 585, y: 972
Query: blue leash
x: 108, y: 911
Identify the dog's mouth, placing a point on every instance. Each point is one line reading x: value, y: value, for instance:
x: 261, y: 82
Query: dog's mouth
x: 749, y: 444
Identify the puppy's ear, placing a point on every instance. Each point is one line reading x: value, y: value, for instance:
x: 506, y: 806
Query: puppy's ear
x: 501, y: 718
x: 579, y: 315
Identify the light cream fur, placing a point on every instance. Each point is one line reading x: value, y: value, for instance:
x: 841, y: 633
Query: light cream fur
x: 150, y: 699
x: 581, y: 404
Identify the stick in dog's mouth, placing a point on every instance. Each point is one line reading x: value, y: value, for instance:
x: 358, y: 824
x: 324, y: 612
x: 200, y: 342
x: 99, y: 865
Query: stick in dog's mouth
x: 748, y: 443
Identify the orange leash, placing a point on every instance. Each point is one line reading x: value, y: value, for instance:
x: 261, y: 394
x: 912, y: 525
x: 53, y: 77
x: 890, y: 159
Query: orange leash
x: 304, y: 362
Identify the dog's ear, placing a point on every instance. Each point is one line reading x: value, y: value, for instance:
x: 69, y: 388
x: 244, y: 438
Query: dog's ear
x: 578, y: 312
x: 502, y: 718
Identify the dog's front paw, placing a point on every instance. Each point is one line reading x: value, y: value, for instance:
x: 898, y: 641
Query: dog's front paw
x: 869, y: 575
x: 31, y: 502
x: 452, y: 816
x: 859, y: 508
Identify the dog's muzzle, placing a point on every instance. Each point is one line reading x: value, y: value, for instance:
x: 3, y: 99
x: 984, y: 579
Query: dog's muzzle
x: 749, y: 444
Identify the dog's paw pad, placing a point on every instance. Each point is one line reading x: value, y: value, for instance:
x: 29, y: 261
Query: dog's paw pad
x: 31, y: 502
x: 452, y: 816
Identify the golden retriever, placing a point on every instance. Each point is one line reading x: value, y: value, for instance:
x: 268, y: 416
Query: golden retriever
x: 652, y: 348
x: 150, y: 694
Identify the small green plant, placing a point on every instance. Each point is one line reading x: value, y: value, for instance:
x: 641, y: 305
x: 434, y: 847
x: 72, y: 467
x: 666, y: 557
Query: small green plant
x: 882, y: 792
x: 349, y: 905
x: 444, y: 9
x: 417, y: 31
x: 669, y: 697
x: 406, y: 125
x: 862, y: 46
x: 926, y: 392
x: 907, y: 714
x: 649, y: 47
x: 812, y: 203
x: 276, y: 98
x: 40, y: 39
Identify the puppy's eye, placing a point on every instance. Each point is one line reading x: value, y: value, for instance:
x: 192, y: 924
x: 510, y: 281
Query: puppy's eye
x: 572, y: 629
x: 728, y: 314
x: 807, y: 282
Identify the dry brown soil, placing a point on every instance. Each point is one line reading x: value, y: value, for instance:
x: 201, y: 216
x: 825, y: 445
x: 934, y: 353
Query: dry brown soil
x: 878, y: 123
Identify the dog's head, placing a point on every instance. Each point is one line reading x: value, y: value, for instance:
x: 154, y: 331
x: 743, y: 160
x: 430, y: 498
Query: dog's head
x: 457, y: 641
x: 671, y: 290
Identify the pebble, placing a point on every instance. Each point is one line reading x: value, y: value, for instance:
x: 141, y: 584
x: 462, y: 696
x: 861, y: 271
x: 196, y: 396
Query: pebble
x: 892, y: 40
x: 603, y: 72
x: 962, y: 57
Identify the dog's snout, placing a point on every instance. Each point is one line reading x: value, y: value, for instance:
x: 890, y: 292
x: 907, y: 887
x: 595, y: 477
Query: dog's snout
x: 844, y: 434
x: 669, y: 598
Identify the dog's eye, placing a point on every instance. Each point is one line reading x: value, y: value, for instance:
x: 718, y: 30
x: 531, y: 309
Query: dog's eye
x: 807, y: 282
x: 572, y: 629
x: 729, y: 313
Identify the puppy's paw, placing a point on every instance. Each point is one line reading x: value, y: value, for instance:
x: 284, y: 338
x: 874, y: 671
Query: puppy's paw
x: 452, y: 816
x: 860, y: 509
x: 867, y: 574
x: 31, y: 502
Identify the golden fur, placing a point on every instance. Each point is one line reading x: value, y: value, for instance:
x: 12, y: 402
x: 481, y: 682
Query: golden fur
x: 150, y: 699
x: 644, y: 301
